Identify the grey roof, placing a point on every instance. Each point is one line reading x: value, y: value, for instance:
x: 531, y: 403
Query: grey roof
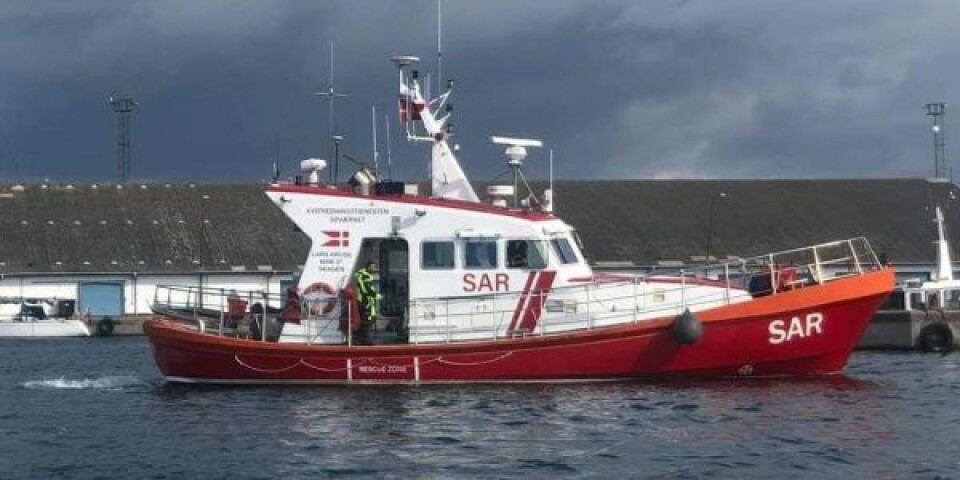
x: 161, y: 228
x: 648, y: 221
x: 144, y: 228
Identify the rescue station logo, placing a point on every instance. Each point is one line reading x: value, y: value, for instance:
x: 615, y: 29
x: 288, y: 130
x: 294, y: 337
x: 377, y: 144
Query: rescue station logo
x: 336, y: 239
x: 335, y: 254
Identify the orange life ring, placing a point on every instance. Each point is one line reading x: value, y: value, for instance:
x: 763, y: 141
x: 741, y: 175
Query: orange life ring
x: 316, y: 308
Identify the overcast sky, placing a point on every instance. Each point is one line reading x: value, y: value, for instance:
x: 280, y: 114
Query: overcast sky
x: 619, y: 89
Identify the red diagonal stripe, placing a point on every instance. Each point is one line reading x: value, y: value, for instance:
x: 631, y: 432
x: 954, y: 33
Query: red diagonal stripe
x: 538, y: 298
x: 521, y: 301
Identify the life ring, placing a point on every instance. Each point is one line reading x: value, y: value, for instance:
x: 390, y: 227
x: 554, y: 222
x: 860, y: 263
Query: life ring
x: 316, y: 292
x: 105, y: 327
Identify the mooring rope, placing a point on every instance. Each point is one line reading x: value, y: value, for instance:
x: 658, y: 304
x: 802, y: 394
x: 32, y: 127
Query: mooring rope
x: 473, y: 364
x: 264, y: 370
x: 370, y: 361
x: 321, y: 369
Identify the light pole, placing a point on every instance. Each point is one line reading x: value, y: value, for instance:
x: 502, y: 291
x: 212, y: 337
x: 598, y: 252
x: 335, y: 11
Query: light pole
x: 938, y: 112
x: 710, y: 216
x: 124, y: 107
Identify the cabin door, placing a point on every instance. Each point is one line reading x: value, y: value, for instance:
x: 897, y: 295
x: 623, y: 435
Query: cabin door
x: 394, y: 278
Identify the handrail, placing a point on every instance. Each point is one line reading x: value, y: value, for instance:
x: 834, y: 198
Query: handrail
x: 601, y: 303
x: 654, y: 294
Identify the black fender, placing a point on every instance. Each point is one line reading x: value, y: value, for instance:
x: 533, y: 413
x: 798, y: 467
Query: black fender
x: 935, y: 337
x: 687, y: 328
x: 105, y: 327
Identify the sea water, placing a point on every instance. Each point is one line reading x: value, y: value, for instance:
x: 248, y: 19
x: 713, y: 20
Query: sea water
x: 99, y: 408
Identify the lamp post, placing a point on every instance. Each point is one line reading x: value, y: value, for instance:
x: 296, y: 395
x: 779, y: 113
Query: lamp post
x: 710, y: 217
x: 938, y: 112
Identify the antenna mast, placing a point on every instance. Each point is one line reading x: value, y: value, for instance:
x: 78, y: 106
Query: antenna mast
x: 447, y: 178
x: 549, y: 201
x: 938, y: 111
x: 373, y: 124
x: 386, y: 123
x: 123, y: 107
x: 439, y: 49
x: 331, y: 94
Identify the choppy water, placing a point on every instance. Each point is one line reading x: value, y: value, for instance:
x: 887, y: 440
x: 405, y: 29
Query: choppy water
x: 98, y: 408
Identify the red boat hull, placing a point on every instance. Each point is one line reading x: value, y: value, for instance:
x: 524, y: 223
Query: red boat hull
x: 809, y: 331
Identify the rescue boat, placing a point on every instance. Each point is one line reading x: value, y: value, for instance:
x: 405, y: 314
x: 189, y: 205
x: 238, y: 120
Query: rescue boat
x: 502, y: 292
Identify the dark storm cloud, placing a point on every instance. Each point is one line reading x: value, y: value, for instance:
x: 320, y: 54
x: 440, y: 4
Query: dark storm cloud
x: 620, y: 89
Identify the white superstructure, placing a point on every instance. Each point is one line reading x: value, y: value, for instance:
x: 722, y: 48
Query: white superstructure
x: 454, y: 268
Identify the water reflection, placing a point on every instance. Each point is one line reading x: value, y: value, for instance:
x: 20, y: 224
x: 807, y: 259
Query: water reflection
x: 820, y: 426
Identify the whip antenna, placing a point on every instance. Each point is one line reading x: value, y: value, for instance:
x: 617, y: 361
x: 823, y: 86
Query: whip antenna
x: 439, y: 49
x: 386, y: 123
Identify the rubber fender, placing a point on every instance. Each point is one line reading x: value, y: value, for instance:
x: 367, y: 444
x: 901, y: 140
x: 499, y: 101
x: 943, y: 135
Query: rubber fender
x: 687, y: 328
x: 936, y: 337
x: 105, y: 327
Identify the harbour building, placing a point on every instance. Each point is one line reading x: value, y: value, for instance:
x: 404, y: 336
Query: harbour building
x: 108, y: 246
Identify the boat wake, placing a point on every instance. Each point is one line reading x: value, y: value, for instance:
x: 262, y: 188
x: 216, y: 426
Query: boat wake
x: 113, y: 382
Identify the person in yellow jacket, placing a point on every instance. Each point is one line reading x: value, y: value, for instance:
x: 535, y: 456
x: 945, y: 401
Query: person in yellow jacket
x: 367, y: 297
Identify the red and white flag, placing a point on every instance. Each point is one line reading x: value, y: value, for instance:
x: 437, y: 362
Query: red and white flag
x: 336, y: 239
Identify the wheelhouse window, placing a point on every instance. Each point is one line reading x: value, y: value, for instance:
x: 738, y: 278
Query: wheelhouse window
x: 480, y: 254
x: 564, y: 250
x: 528, y: 254
x: 437, y: 255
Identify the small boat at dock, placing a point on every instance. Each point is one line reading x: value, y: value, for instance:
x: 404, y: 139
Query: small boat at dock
x: 38, y: 317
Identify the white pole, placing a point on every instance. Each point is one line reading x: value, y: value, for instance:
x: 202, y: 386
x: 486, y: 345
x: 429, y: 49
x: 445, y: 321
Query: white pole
x: 439, y: 49
x: 330, y: 119
x: 553, y: 194
x: 386, y: 122
x: 426, y: 88
x: 373, y: 121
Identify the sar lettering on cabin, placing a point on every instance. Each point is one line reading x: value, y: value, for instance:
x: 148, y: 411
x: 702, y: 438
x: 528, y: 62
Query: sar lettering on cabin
x: 486, y: 282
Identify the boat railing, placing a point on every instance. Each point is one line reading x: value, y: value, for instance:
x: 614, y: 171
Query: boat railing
x: 599, y: 301
x: 217, y: 309
x: 248, y: 313
x: 609, y: 300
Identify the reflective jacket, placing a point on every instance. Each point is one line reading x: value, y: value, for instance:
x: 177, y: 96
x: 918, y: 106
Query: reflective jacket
x: 368, y: 297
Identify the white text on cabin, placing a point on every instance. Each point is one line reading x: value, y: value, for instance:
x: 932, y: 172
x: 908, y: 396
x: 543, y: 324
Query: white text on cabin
x: 486, y: 282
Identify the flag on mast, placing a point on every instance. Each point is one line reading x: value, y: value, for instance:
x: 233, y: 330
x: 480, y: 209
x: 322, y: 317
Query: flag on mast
x: 410, y: 107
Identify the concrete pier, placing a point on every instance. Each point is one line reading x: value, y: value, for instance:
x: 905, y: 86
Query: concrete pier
x: 932, y: 330
x: 120, y: 326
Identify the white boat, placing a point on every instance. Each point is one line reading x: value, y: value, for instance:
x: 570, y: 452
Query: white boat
x: 37, y: 317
